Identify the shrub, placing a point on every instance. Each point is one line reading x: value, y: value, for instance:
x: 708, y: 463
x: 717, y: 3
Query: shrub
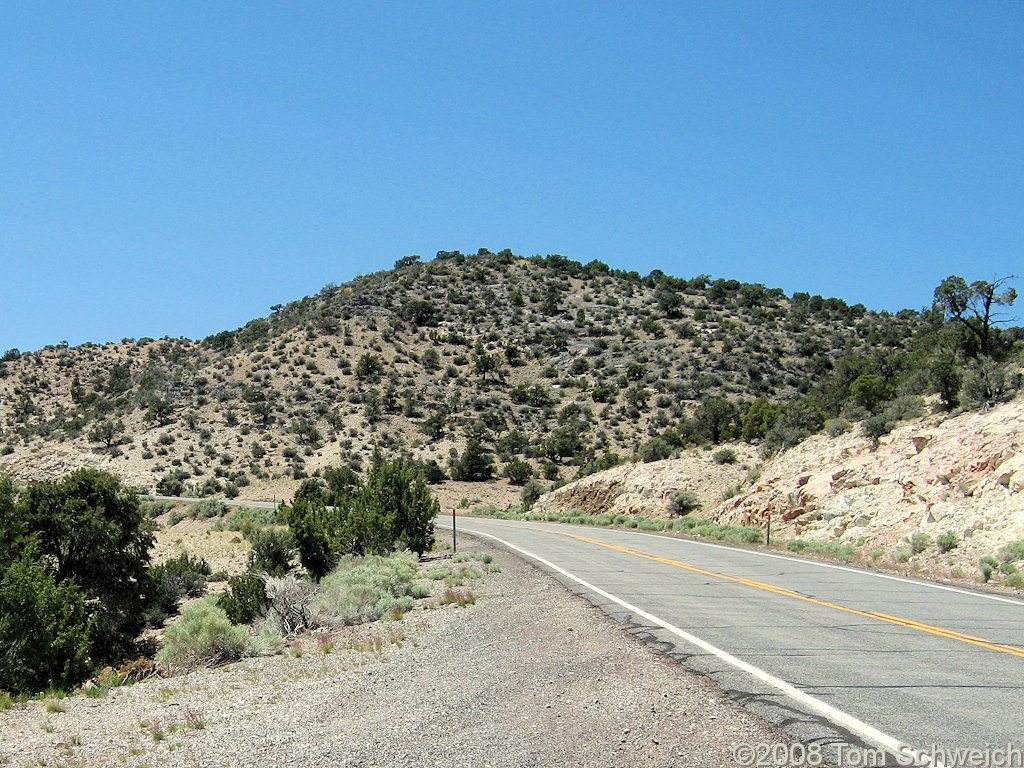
x: 474, y: 463
x: 724, y: 456
x: 919, y: 542
x: 170, y: 484
x: 655, y: 449
x: 1013, y: 551
x: 245, y: 599
x: 90, y: 532
x: 532, y: 491
x: 518, y: 471
x: 683, y: 502
x: 245, y: 518
x: 43, y: 629
x: 948, y: 541
x: 877, y: 426
x: 832, y: 548
x: 836, y: 427
x: 987, y: 565
x: 393, y: 507
x: 208, y: 508
x: 420, y: 591
x: 352, y: 594
x: 182, y: 576
x: 273, y: 550
x: 390, y: 605
x: 288, y: 609
x: 202, y: 637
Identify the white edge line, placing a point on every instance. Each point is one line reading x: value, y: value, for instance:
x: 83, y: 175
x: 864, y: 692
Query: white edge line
x: 887, y: 742
x: 791, y: 559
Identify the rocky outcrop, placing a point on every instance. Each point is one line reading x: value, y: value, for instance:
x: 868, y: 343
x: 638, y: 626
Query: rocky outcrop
x: 54, y: 463
x: 963, y: 474
x: 646, y: 489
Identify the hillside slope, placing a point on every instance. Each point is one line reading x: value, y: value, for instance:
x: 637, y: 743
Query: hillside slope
x: 544, y: 359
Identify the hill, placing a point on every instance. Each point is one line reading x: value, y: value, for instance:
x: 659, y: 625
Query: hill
x: 467, y: 363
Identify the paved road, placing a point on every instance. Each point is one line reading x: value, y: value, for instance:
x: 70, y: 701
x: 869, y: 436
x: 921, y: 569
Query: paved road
x: 871, y: 658
x: 228, y: 502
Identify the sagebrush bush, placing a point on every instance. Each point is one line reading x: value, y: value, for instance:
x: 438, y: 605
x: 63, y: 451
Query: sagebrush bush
x: 246, y: 518
x: 208, y: 508
x: 289, y: 608
x: 202, y: 637
x: 832, y: 548
x: 419, y: 591
x: 724, y: 456
x: 987, y: 565
x: 682, y: 502
x: 1012, y: 551
x: 352, y: 593
x: 948, y: 541
x: 919, y: 542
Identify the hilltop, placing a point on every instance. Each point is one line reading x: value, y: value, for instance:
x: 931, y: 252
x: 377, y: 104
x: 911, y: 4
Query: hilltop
x: 468, y: 363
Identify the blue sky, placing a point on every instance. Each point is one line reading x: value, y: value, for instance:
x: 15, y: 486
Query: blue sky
x: 177, y: 168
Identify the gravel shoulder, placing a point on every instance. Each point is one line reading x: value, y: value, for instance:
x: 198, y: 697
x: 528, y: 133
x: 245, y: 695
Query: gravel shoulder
x: 531, y: 675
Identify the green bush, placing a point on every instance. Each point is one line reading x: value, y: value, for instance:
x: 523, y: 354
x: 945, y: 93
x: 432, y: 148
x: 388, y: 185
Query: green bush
x: 987, y: 565
x: 474, y: 463
x: 180, y: 577
x: 655, y: 449
x: 420, y: 591
x: 836, y: 427
x: 202, y: 637
x: 1012, y: 551
x: 1015, y: 580
x: 273, y: 550
x: 394, y: 507
x: 245, y: 599
x: 724, y: 456
x: 354, y: 591
x: 91, y: 532
x: 948, y: 541
x: 682, y: 502
x: 831, y: 548
x: 43, y: 629
x: 532, y: 491
x: 245, y: 518
x: 208, y: 508
x: 919, y: 542
x: 518, y: 471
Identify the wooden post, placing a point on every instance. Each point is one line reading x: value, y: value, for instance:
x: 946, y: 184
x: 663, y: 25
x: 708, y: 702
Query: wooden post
x: 768, y: 535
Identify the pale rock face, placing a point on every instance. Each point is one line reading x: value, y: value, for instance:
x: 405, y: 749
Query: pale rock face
x: 647, y: 489
x: 963, y: 474
x: 55, y: 463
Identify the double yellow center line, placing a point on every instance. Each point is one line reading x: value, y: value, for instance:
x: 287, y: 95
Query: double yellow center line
x: 933, y: 630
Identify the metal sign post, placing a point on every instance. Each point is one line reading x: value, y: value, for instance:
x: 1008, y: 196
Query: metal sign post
x: 455, y: 547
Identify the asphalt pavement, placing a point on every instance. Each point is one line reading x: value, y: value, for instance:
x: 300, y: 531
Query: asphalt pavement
x: 835, y: 655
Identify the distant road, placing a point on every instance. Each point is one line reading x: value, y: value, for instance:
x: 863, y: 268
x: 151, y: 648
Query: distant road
x: 229, y: 502
x: 834, y: 654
